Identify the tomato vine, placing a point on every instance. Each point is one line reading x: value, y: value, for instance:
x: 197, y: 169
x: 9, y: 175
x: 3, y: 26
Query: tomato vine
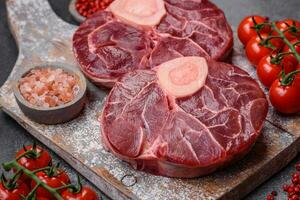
x: 47, y: 181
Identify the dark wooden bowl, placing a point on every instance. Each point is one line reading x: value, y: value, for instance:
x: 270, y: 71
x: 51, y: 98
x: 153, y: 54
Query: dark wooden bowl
x: 75, y: 14
x: 58, y: 114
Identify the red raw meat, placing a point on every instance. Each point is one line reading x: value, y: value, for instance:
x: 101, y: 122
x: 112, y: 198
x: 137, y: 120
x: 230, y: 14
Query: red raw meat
x: 106, y: 48
x: 183, y: 137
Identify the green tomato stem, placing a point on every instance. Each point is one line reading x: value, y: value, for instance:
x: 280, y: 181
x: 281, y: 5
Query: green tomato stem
x: 78, y: 189
x: 40, y: 170
x: 32, y: 152
x: 278, y: 58
x: 64, y: 187
x: 32, y: 193
x: 292, y: 29
x: 295, y: 44
x: 288, y: 79
x: 287, y: 42
x: 25, y: 153
x: 4, y: 182
x: 15, y: 165
x: 258, y: 27
x: 15, y: 178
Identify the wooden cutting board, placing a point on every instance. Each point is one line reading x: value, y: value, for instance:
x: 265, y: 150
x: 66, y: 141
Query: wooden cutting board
x: 43, y: 37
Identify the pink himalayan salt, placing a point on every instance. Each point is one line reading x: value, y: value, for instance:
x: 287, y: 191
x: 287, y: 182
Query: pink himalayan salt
x: 47, y: 87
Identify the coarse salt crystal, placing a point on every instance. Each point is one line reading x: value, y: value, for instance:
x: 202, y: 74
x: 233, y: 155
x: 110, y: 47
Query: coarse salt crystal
x: 51, y: 78
x: 48, y: 87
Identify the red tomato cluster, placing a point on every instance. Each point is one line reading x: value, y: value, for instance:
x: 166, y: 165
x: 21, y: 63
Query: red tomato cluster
x: 51, y: 176
x: 273, y: 59
x: 43, y: 160
x: 54, y: 181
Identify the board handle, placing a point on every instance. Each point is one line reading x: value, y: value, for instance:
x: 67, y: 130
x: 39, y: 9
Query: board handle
x: 30, y: 20
x: 41, y: 36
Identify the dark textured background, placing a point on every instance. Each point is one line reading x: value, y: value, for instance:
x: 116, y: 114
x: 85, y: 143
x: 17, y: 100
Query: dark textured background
x: 12, y: 136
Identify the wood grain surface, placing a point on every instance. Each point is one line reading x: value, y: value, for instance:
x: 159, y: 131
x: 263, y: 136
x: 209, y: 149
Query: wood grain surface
x: 43, y: 37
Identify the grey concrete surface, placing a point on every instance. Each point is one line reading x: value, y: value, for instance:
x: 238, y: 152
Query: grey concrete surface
x: 12, y: 136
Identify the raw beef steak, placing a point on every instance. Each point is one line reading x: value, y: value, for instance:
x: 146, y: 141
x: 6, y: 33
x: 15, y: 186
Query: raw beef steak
x: 186, y: 136
x: 106, y: 46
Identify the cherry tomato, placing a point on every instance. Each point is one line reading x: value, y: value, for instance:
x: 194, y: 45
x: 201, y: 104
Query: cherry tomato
x: 43, y: 160
x: 54, y: 181
x: 245, y: 30
x: 285, y: 99
x: 255, y: 51
x: 284, y: 25
x: 85, y: 194
x: 14, y: 194
x: 268, y: 72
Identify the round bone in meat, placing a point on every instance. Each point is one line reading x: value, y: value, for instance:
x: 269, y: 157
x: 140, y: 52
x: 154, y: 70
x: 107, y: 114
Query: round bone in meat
x: 183, y: 76
x: 183, y: 136
x: 143, y: 13
x: 106, y: 47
